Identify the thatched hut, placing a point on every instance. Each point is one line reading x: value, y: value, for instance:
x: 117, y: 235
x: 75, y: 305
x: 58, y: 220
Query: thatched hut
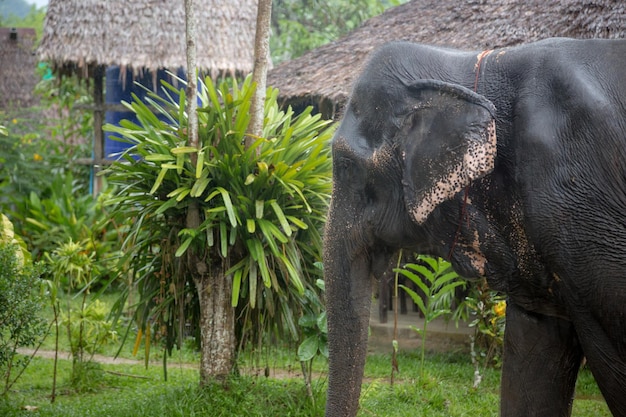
x: 323, y: 77
x: 144, y: 36
x: 80, y: 35
x: 18, y: 68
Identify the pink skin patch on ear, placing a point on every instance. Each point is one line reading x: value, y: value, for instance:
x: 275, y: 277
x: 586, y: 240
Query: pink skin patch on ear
x: 478, y: 161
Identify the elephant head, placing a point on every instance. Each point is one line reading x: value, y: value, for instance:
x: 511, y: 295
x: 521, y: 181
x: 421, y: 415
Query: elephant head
x: 404, y: 147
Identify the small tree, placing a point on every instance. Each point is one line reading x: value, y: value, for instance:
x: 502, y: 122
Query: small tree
x: 260, y: 213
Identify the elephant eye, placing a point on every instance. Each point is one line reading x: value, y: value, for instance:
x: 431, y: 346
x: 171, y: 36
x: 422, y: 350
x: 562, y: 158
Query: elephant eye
x: 354, y: 108
x: 344, y: 166
x: 347, y: 170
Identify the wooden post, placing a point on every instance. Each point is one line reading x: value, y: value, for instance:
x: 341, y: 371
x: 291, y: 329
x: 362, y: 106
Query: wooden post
x: 98, y: 121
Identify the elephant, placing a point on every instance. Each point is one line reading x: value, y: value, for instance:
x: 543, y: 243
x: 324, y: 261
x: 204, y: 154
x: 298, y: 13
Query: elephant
x: 510, y: 163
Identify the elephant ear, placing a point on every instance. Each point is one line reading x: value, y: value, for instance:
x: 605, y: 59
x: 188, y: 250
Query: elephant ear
x: 450, y: 141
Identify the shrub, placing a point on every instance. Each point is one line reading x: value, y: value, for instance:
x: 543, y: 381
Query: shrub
x: 88, y: 328
x: 487, y: 310
x: 21, y: 303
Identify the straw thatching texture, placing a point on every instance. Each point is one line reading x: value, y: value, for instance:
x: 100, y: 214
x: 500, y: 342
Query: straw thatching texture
x: 323, y: 76
x: 18, y: 68
x: 148, y: 34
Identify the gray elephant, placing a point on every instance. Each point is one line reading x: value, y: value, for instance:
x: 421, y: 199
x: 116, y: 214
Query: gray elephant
x: 511, y: 164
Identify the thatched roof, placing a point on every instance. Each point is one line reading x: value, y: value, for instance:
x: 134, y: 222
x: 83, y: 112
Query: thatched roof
x: 323, y: 76
x: 18, y: 68
x: 148, y: 34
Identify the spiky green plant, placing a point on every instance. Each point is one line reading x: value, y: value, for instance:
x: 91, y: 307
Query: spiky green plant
x: 261, y: 208
x: 436, y: 281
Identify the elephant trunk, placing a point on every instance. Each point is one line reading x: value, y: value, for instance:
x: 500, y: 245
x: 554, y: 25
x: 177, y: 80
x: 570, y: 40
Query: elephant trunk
x: 348, y: 301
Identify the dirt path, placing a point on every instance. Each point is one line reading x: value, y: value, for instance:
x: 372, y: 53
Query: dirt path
x: 108, y: 360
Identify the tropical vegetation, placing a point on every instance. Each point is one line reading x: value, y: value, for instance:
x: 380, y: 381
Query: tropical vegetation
x: 261, y: 211
x: 300, y: 26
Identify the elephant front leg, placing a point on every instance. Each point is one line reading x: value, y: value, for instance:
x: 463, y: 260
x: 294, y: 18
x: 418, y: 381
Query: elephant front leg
x: 541, y: 361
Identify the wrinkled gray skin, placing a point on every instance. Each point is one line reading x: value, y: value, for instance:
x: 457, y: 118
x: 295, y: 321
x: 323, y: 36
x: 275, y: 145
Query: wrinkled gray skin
x: 543, y: 217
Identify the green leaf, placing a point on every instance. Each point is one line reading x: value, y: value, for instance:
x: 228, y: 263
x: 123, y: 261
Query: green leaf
x: 252, y: 280
x: 281, y: 218
x: 423, y: 271
x: 177, y: 192
x: 183, y: 247
x: 223, y: 239
x: 210, y: 240
x: 417, y: 330
x: 265, y: 225
x: 169, y: 166
x: 435, y: 314
x: 199, y: 186
x: 443, y: 279
x: 183, y: 150
x: 293, y: 274
x: 259, y: 205
x: 446, y: 289
x: 323, y: 347
x: 159, y: 180
x: 37, y: 223
x: 228, y: 204
x: 233, y: 236
x: 308, y: 348
x: 299, y: 223
x: 181, y: 106
x: 158, y: 158
x: 416, y: 299
x: 180, y: 162
x: 416, y: 279
x: 251, y: 225
x: 308, y: 320
x: 265, y: 272
x: 199, y: 164
x: 236, y: 286
x: 167, y: 205
x: 322, y: 322
x: 432, y: 262
x: 269, y: 229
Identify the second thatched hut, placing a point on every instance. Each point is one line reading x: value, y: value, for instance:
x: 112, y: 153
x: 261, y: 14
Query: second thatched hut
x: 323, y: 77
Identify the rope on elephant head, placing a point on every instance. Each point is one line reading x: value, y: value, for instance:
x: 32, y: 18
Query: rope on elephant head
x: 479, y: 61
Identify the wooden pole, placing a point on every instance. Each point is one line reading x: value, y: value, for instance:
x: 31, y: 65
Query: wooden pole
x: 98, y: 121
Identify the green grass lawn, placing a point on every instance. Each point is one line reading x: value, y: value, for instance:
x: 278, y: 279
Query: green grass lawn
x: 131, y: 390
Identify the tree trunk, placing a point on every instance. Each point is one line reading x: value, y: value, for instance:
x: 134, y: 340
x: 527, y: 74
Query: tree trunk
x: 192, y: 85
x: 259, y: 74
x: 217, y: 316
x: 217, y: 326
